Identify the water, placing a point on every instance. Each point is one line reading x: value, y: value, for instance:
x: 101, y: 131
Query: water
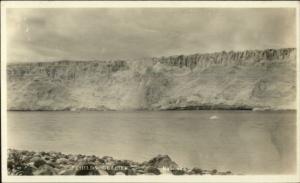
x: 240, y: 141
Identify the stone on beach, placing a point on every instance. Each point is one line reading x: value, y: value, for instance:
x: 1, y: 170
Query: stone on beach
x: 55, y: 163
x: 87, y: 169
x: 153, y: 170
x: 178, y: 172
x: 197, y: 171
x: 37, y: 162
x: 45, y: 170
x: 62, y: 161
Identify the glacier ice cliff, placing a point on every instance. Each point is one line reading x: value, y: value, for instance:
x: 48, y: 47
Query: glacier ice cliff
x: 252, y: 79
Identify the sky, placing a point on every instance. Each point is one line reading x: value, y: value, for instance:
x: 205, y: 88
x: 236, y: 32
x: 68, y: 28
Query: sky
x: 132, y: 33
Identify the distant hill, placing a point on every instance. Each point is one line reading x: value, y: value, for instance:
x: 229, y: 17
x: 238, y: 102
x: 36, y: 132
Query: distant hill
x: 255, y: 79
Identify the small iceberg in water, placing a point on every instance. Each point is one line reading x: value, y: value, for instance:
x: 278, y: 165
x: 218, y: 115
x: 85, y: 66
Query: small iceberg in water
x: 214, y: 117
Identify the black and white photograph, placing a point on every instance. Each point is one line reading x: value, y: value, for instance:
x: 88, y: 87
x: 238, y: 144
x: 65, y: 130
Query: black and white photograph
x: 139, y: 91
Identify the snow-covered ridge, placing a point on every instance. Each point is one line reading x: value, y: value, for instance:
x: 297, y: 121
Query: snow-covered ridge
x: 260, y: 79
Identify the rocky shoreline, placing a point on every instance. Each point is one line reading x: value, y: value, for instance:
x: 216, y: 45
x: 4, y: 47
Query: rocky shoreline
x: 23, y: 162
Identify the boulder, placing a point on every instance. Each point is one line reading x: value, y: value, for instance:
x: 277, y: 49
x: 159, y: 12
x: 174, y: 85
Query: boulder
x: 35, y: 158
x: 47, y: 157
x: 122, y: 163
x: 22, y: 170
x: 197, y: 171
x: 153, y: 170
x: 26, y: 158
x: 178, y: 172
x: 130, y: 172
x: 107, y: 158
x: 99, y: 161
x: 78, y: 157
x: 111, y: 172
x: 87, y: 169
x: 37, y: 162
x: 10, y: 165
x: 45, y: 170
x: 62, y: 161
x: 91, y: 158
x: 214, y: 171
x: 42, y: 153
x: 140, y: 171
x: 161, y: 161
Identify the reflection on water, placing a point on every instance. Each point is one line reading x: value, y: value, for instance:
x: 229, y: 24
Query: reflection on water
x: 241, y: 141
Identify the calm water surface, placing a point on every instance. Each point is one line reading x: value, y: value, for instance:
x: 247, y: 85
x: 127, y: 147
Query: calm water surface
x: 241, y: 141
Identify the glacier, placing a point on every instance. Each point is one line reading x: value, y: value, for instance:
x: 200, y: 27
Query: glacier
x: 250, y: 80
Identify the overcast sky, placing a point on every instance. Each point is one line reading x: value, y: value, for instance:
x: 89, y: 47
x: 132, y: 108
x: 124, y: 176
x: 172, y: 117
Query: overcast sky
x: 101, y: 34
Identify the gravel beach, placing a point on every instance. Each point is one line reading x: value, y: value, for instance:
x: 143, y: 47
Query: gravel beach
x: 23, y: 162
